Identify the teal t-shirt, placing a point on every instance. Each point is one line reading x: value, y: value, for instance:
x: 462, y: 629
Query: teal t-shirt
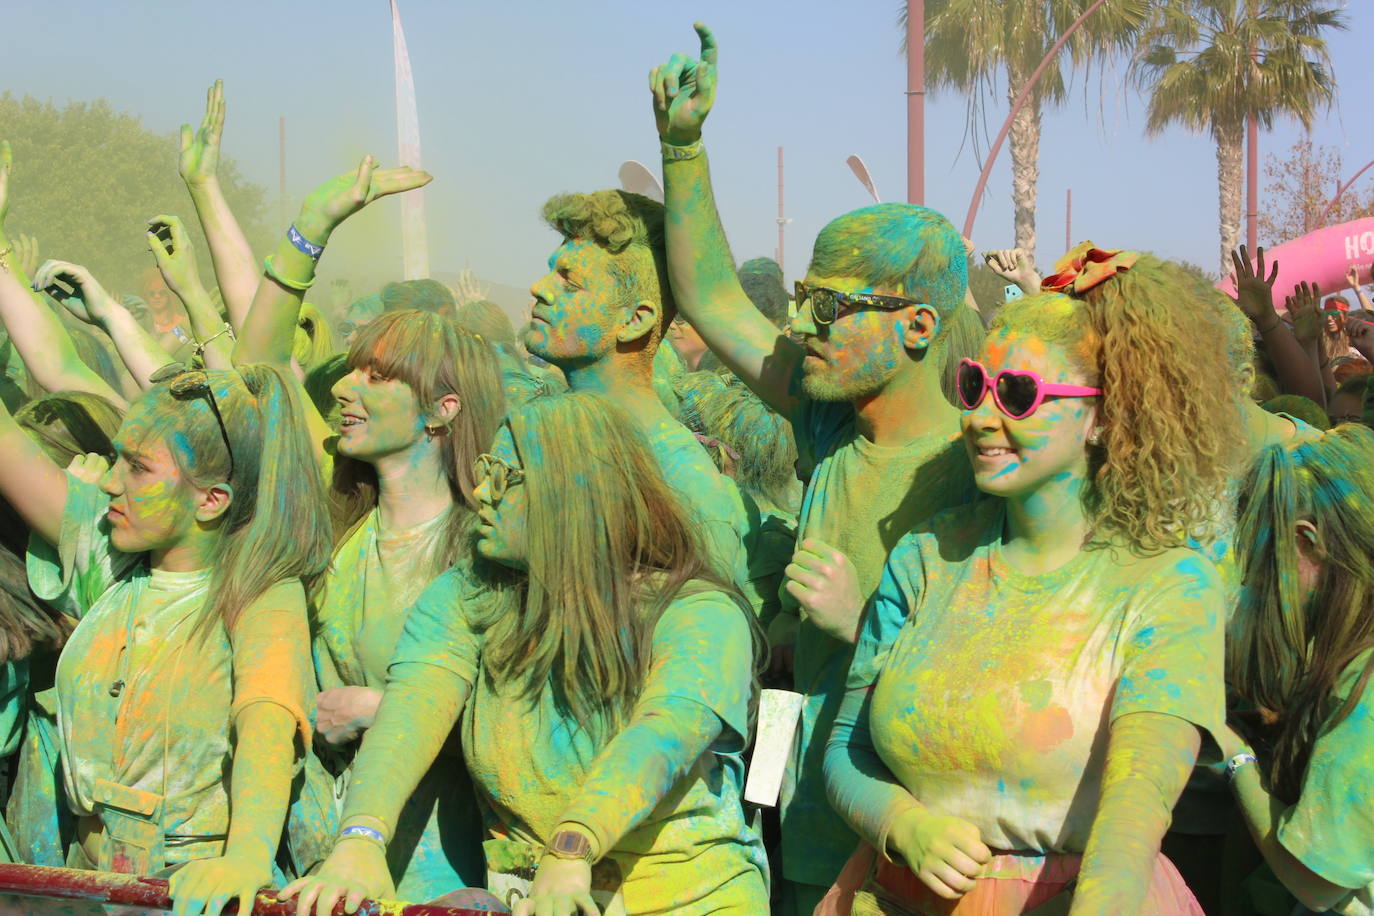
x: 715, y: 504
x: 1331, y: 828
x: 861, y: 499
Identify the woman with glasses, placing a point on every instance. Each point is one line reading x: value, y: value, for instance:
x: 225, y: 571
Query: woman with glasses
x: 183, y: 693
x: 1036, y: 676
x: 420, y: 398
x: 605, y: 684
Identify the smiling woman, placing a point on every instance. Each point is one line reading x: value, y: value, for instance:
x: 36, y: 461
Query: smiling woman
x: 1049, y: 749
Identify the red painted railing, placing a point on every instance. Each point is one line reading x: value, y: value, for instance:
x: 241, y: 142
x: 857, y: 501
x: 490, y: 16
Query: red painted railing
x: 97, y: 887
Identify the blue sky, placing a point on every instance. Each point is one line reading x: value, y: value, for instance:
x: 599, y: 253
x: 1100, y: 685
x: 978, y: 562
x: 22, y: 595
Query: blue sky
x: 522, y: 100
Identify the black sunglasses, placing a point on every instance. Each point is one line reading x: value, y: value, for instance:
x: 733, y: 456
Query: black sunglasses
x: 194, y: 383
x: 829, y: 305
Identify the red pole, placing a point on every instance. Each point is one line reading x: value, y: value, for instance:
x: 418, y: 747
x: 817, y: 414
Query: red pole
x: 782, y: 221
x: 96, y: 888
x: 1252, y: 166
x: 1341, y: 189
x: 1068, y: 219
x: 916, y: 101
x: 1011, y: 115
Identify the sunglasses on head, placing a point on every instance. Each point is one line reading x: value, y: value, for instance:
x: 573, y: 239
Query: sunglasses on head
x: 499, y: 475
x: 194, y: 383
x: 829, y: 305
x: 1017, y: 393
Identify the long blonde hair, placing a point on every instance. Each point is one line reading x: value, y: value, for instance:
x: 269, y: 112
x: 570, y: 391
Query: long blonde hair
x: 609, y: 549
x: 276, y: 527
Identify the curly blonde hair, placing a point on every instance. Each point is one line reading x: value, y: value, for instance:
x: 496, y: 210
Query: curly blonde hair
x: 1169, y: 445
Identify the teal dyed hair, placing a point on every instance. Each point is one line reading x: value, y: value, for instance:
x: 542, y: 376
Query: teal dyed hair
x: 897, y: 246
x: 914, y: 250
x: 1286, y: 652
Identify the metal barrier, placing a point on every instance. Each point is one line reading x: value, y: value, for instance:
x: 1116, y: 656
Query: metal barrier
x: 104, y: 888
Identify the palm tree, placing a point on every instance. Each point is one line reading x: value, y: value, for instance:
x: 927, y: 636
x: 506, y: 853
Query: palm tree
x: 1208, y: 64
x: 969, y: 43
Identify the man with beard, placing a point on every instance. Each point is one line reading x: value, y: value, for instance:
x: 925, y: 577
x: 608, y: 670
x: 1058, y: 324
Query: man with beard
x: 600, y: 315
x: 865, y: 380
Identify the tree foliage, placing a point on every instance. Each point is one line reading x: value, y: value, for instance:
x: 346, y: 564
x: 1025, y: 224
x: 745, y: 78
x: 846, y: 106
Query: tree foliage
x: 87, y: 179
x: 1301, y: 184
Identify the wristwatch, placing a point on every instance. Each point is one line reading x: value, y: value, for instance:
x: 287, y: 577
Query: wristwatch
x: 570, y: 844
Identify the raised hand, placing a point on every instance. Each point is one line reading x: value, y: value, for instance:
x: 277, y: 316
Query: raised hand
x: 1361, y: 334
x: 1014, y: 266
x: 339, y: 198
x: 946, y: 853
x: 468, y: 288
x: 1352, y: 276
x: 1304, y: 311
x: 1254, y: 292
x: 89, y: 468
x: 825, y: 584
x: 26, y: 254
x: 90, y: 303
x: 200, y: 150
x: 179, y: 265
x: 684, y: 90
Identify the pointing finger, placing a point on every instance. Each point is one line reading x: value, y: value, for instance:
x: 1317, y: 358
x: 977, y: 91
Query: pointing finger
x: 709, y: 49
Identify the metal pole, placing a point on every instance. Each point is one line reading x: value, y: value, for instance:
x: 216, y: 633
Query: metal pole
x: 782, y: 220
x: 1068, y: 219
x: 93, y: 888
x: 1341, y: 189
x: 1015, y: 108
x: 1252, y: 167
x: 916, y: 101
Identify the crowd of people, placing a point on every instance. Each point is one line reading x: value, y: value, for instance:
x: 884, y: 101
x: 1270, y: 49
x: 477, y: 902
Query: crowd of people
x: 1077, y: 592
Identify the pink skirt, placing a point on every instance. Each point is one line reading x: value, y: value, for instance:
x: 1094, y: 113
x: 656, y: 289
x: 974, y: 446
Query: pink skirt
x: 1011, y: 884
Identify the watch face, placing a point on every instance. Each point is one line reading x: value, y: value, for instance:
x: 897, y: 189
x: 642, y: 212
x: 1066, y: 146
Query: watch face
x: 572, y: 844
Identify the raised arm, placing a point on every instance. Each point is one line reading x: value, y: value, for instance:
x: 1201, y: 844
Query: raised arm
x: 1014, y: 266
x: 1352, y: 277
x: 29, y: 480
x: 141, y: 353
x: 705, y: 285
x: 37, y: 333
x: 235, y: 267
x: 1297, y: 372
x: 214, y: 337
x: 268, y: 335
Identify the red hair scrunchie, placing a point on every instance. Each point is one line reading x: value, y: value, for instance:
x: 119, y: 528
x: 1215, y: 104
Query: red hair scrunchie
x: 1085, y: 266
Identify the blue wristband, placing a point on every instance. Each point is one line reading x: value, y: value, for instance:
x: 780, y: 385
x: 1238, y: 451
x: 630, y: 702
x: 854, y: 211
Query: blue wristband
x: 366, y: 833
x: 304, y: 245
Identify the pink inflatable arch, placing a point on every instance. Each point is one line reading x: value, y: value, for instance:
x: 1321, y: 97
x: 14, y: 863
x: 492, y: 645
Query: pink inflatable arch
x: 1320, y: 257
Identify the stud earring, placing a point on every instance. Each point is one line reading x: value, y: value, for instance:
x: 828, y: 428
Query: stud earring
x: 1095, y: 437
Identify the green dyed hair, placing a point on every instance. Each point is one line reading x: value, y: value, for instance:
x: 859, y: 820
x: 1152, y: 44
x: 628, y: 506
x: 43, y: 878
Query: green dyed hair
x: 629, y: 226
x: 314, y: 341
x: 276, y: 527
x: 763, y: 283
x: 1285, y: 654
x: 488, y: 321
x: 917, y: 252
x: 1169, y: 445
x: 71, y: 423
x: 767, y: 465
x: 423, y: 295
x: 1305, y: 409
x: 609, y: 548
x: 435, y: 357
